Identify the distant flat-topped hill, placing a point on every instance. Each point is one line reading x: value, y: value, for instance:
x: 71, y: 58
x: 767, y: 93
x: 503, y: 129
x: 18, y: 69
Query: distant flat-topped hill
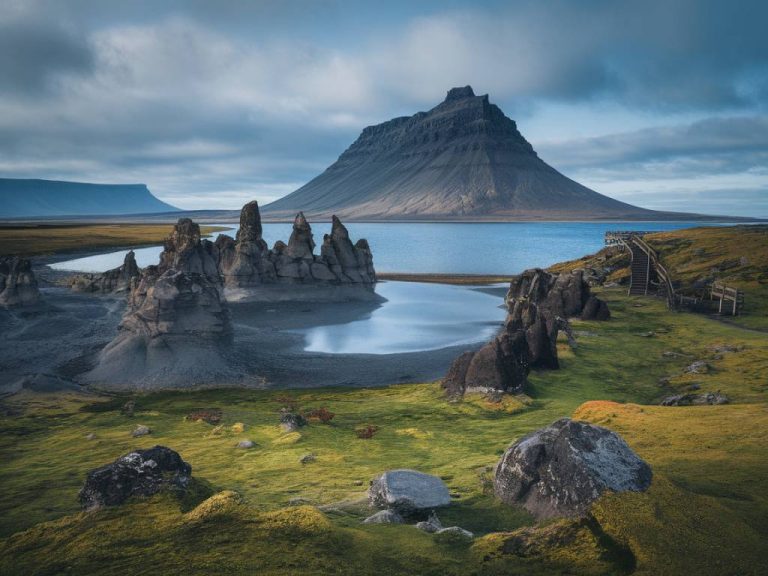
x: 45, y: 198
x: 462, y: 160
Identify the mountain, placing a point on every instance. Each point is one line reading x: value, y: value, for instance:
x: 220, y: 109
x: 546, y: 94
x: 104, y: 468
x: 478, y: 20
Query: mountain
x: 462, y: 160
x: 44, y: 198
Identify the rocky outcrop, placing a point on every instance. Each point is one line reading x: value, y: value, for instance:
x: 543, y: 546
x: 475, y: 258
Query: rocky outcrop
x: 561, y: 469
x: 117, y: 280
x: 176, y: 322
x: 138, y: 473
x: 408, y: 492
x: 18, y: 285
x: 704, y: 399
x: 538, y: 306
x: 247, y: 263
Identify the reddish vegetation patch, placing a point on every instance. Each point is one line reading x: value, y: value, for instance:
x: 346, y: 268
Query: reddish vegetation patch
x: 322, y: 415
x: 208, y: 415
x: 366, y: 432
x: 288, y: 402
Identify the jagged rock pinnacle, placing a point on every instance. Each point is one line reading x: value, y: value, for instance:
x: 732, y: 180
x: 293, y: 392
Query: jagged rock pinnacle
x: 459, y: 93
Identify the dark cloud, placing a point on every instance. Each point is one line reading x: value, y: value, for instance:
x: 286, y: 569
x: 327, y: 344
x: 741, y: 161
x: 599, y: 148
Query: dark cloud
x: 33, y: 54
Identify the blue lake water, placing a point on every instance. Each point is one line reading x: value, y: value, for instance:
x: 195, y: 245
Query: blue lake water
x: 448, y: 248
x: 416, y: 317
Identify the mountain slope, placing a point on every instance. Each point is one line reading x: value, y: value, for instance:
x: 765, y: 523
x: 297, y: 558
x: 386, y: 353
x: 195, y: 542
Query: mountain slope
x: 464, y: 159
x: 36, y: 198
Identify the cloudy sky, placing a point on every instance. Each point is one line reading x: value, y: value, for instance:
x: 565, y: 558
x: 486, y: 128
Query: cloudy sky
x: 660, y: 103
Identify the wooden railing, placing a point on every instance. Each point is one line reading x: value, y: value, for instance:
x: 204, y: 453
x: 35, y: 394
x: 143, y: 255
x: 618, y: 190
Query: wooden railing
x: 661, y: 271
x: 630, y: 238
x: 727, y: 294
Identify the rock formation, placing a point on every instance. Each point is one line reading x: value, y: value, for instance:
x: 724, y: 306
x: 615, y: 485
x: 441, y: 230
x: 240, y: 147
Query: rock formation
x: 464, y: 159
x: 138, y: 473
x: 18, y: 285
x: 116, y: 280
x: 176, y: 321
x: 251, y: 270
x: 408, y: 492
x: 538, y: 305
x: 561, y: 469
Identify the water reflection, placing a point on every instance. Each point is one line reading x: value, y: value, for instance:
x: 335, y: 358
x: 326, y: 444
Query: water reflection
x: 416, y: 317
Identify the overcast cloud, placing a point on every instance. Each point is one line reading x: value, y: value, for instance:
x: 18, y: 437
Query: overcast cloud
x: 662, y: 104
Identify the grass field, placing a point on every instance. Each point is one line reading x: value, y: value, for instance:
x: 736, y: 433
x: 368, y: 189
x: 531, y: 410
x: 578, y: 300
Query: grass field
x: 45, y: 240
x: 695, y: 257
x: 706, y: 512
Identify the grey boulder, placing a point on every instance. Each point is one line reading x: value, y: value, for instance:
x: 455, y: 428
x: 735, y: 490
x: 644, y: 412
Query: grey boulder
x: 408, y: 492
x: 561, y: 469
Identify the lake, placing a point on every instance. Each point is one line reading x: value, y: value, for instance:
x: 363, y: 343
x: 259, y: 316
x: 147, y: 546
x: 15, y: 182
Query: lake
x: 416, y: 317
x: 420, y: 316
x: 438, y: 248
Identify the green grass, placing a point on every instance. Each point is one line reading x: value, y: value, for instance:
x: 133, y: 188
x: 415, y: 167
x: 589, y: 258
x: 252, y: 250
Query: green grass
x: 36, y: 240
x: 709, y: 489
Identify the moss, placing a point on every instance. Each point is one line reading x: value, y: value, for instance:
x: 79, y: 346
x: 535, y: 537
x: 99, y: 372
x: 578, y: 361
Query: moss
x: 709, y: 464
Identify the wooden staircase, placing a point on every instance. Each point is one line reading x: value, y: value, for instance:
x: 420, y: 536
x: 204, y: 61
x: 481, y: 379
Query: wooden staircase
x: 641, y: 270
x: 648, y: 273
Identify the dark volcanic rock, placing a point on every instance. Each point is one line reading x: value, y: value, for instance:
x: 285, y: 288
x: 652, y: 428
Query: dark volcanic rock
x: 561, y: 469
x: 538, y: 305
x: 595, y: 309
x: 18, y: 285
x: 139, y: 473
x: 462, y: 159
x: 247, y: 263
x: 116, y: 280
x: 176, y: 324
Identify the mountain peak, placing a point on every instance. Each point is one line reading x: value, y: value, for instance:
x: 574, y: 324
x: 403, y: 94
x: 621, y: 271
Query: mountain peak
x: 459, y: 93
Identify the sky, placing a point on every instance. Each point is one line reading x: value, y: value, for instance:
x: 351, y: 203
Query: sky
x: 660, y: 103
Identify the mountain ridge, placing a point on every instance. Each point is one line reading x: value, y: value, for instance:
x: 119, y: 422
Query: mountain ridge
x: 29, y: 198
x: 462, y: 160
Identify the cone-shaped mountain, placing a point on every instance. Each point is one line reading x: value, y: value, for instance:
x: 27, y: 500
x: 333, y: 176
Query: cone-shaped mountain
x: 464, y: 159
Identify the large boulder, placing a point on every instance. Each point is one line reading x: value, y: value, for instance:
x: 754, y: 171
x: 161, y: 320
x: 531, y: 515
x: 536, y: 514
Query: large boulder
x: 408, y: 492
x: 18, y: 285
x: 138, y: 473
x: 561, y: 469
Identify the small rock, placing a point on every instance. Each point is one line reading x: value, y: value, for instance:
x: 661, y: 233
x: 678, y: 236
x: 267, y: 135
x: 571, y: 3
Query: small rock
x: 357, y: 483
x: 90, y: 436
x: 708, y: 398
x: 384, y: 517
x: 299, y: 502
x: 291, y: 422
x: 245, y: 444
x: 698, y: 367
x: 649, y: 334
x: 141, y: 430
x: 431, y: 524
x: 454, y: 536
x: 308, y: 458
x: 128, y: 408
x: 638, y: 305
